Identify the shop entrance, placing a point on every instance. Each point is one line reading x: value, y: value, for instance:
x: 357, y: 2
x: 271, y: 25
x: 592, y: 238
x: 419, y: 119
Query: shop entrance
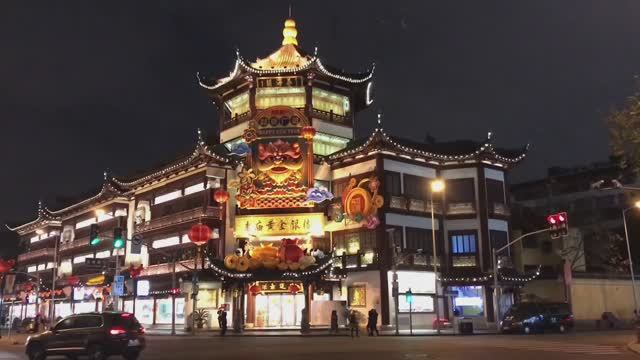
x: 278, y: 310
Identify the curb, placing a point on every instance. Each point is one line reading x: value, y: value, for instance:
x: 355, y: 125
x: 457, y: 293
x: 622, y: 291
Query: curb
x: 634, y: 347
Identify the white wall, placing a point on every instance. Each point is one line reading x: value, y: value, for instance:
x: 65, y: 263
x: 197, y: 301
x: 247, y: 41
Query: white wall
x: 411, y: 169
x: 372, y: 281
x: 355, y: 169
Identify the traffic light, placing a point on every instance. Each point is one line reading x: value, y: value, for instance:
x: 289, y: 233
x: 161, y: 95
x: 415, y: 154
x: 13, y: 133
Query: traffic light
x: 118, y: 240
x: 94, y: 235
x: 558, y: 225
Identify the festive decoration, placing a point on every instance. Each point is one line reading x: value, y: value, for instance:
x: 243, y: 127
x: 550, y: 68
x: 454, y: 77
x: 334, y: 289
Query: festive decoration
x: 264, y: 252
x: 294, y: 288
x: 73, y: 280
x: 240, y: 149
x: 221, y: 196
x: 254, y: 289
x: 308, y: 132
x: 199, y: 234
x: 290, y: 251
x: 6, y: 266
x: 231, y: 261
x: 318, y: 195
x: 360, y: 201
x: 134, y: 271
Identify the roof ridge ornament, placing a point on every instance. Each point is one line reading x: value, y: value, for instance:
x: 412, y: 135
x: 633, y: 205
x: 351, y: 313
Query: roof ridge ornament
x: 200, y: 139
x: 290, y: 33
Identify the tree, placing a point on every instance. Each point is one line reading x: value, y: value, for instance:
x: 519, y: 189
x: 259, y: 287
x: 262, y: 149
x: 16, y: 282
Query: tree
x: 574, y: 252
x: 624, y: 132
x: 615, y: 256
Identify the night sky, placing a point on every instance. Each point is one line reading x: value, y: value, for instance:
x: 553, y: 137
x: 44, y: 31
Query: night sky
x: 89, y: 86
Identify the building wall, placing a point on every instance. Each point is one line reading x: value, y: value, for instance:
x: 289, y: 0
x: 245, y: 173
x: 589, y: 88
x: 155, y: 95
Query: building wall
x: 371, y: 279
x: 592, y: 297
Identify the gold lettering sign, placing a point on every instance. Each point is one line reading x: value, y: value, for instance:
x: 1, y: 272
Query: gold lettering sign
x: 277, y: 286
x: 279, y: 225
x: 280, y: 81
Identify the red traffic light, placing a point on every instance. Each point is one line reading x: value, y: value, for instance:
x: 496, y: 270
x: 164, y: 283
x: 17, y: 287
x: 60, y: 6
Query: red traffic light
x: 558, y: 225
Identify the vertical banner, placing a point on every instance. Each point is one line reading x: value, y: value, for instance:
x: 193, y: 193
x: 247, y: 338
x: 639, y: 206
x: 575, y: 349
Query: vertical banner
x: 9, y: 283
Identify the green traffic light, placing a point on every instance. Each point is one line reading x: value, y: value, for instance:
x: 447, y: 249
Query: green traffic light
x: 118, y: 243
x: 95, y: 241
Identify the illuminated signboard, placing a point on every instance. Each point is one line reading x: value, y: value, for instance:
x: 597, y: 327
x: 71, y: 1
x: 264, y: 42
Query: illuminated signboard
x: 280, y: 81
x: 143, y: 288
x: 279, y: 225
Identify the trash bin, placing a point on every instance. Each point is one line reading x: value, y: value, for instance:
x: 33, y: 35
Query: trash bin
x: 465, y: 326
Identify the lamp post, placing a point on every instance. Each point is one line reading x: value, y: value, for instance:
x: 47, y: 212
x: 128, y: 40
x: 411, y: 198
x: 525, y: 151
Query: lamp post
x: 626, y: 237
x: 394, y: 282
x: 437, y: 186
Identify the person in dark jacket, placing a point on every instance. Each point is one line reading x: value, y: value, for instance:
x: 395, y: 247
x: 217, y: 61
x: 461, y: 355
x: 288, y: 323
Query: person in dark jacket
x: 223, y: 322
x: 353, y: 323
x: 334, y: 322
x: 372, y: 323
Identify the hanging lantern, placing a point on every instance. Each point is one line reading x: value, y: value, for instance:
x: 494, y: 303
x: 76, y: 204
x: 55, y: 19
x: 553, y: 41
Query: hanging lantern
x: 294, y: 288
x: 6, y: 266
x: 254, y: 289
x: 308, y: 132
x: 199, y: 234
x: 221, y: 196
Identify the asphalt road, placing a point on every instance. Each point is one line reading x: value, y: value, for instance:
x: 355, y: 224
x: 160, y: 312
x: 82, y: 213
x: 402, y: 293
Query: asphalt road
x: 610, y: 346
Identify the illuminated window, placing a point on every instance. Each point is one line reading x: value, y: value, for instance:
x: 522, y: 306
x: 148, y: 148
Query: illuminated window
x: 103, y: 254
x: 194, y: 189
x: 463, y: 244
x: 289, y: 96
x: 324, y: 144
x: 33, y: 268
x: 238, y: 105
x: 167, y: 197
x: 85, y: 223
x: 469, y: 301
x: 105, y: 217
x: 175, y: 240
x: 330, y: 102
x: 80, y: 258
x: 34, y: 239
x: 65, y: 267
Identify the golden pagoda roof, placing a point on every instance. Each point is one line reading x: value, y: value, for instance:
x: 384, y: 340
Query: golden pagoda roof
x: 288, y: 56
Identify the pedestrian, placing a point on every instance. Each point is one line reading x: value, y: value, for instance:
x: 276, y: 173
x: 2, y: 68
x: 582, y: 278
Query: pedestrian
x: 223, y: 322
x: 353, y: 323
x: 219, y: 318
x: 372, y: 323
x: 334, y: 322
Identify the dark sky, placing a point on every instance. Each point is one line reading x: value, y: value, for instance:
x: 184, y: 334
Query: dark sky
x: 87, y: 86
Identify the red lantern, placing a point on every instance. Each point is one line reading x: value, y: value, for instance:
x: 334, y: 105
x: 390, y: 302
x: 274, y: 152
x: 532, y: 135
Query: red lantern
x: 73, y: 280
x: 294, y: 288
x: 221, y: 196
x: 199, y: 234
x: 308, y: 132
x: 254, y: 289
x: 6, y: 266
x: 134, y: 271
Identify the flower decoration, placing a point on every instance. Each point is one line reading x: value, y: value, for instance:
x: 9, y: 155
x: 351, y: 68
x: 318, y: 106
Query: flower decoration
x: 249, y: 135
x: 372, y: 222
x: 318, y: 195
x: 374, y: 184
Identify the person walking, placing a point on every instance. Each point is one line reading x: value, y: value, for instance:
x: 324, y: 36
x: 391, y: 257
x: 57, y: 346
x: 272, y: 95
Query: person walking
x: 334, y: 322
x: 353, y: 323
x: 372, y: 323
x: 222, y: 318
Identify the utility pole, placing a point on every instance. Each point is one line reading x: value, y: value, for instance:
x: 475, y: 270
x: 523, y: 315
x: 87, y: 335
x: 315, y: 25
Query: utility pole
x: 173, y: 295
x: 52, y: 307
x: 494, y: 261
x: 394, y: 282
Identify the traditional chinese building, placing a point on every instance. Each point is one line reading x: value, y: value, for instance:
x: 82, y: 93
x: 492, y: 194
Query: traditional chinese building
x: 305, y: 217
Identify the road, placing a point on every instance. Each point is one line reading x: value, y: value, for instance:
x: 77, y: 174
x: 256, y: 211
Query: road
x: 609, y: 346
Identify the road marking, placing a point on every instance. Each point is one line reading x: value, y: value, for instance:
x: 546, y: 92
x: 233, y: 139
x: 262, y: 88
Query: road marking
x: 555, y: 346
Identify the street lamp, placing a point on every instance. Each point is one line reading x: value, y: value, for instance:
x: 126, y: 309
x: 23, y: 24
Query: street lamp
x: 437, y: 186
x: 636, y: 205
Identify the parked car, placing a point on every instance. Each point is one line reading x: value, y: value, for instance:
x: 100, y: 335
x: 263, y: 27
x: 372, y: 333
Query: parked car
x: 531, y: 317
x: 96, y: 335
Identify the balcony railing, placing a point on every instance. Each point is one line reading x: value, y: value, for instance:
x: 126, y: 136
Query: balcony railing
x: 237, y: 119
x: 416, y: 205
x: 178, y: 218
x: 461, y: 208
x: 330, y: 116
x: 354, y: 261
x: 463, y: 261
x: 76, y: 243
x: 500, y: 209
x: 47, y: 252
x: 166, y: 268
x: 419, y: 260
